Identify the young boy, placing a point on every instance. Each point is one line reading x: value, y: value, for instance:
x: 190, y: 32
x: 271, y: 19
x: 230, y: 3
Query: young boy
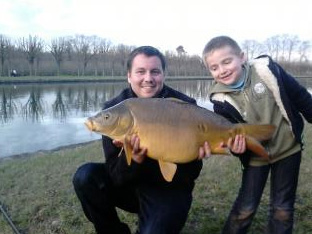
x: 260, y: 92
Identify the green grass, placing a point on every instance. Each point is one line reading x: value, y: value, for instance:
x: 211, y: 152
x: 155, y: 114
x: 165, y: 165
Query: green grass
x: 37, y: 193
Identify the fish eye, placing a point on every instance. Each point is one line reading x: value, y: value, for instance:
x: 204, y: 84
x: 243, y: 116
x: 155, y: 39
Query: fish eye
x: 106, y: 116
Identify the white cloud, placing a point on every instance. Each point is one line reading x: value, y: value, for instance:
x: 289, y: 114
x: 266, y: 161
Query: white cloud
x: 165, y: 24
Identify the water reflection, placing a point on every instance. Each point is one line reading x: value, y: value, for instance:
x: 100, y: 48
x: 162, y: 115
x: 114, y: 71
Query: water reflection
x: 33, y: 108
x: 43, y: 117
x: 8, y: 106
x: 33, y: 103
x: 59, y: 107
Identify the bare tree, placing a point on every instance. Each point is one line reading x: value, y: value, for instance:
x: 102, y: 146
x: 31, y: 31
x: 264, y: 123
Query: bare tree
x: 5, y: 46
x: 104, y: 47
x: 83, y: 48
x: 58, y: 49
x: 172, y: 63
x: 287, y: 45
x: 303, y: 50
x: 92, y: 55
x: 122, y: 52
x: 252, y: 48
x: 293, y: 42
x: 181, y: 60
x: 272, y: 45
x: 69, y: 48
x: 112, y: 60
x: 100, y: 48
x: 32, y: 47
x: 283, y: 46
x: 180, y: 50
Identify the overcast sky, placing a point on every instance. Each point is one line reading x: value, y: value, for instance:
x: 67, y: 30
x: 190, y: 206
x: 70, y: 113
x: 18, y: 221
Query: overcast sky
x: 165, y: 24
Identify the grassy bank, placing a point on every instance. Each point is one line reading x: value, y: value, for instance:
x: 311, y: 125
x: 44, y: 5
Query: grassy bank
x: 37, y: 193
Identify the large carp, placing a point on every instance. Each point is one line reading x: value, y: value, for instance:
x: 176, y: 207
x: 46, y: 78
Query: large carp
x: 173, y: 130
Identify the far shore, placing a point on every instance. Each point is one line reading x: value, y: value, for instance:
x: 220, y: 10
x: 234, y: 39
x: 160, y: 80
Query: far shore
x: 71, y: 79
x: 78, y: 79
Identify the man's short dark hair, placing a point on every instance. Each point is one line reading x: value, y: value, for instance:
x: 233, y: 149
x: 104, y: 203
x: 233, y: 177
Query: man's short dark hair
x: 148, y: 51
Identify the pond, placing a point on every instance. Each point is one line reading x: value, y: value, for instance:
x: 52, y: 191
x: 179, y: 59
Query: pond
x: 36, y: 117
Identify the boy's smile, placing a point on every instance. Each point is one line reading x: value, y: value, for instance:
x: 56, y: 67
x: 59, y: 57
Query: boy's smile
x: 225, y: 65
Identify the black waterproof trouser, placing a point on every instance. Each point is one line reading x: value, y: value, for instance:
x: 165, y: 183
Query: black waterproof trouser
x: 283, y: 186
x: 161, y: 209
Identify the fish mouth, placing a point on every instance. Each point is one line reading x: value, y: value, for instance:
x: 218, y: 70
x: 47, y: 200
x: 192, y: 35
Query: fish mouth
x: 90, y: 125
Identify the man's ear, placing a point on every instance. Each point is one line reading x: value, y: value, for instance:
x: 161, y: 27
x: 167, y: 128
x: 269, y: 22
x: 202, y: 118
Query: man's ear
x: 129, y: 77
x: 243, y: 57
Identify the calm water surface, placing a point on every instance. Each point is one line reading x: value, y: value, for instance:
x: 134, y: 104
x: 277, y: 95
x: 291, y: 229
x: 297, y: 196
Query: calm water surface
x: 47, y: 116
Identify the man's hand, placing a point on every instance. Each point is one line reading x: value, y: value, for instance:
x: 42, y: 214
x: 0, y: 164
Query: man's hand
x: 117, y: 143
x: 138, y: 154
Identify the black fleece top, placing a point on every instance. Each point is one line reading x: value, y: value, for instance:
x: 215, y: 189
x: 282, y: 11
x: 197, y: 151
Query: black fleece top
x: 148, y: 172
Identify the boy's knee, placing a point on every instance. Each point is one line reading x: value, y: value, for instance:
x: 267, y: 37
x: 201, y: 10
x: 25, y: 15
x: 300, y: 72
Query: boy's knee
x: 245, y: 214
x: 282, y: 214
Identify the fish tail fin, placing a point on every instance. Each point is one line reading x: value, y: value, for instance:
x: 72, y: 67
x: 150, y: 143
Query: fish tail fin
x: 254, y: 135
x: 255, y: 146
x: 259, y: 132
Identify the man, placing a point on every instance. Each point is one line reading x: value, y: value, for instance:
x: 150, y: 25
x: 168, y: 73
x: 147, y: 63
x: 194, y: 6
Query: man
x: 162, y: 207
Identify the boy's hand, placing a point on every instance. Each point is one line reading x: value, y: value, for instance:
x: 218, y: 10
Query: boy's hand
x: 238, y: 145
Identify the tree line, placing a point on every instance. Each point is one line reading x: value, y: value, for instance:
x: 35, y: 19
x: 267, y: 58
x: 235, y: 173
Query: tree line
x: 82, y: 55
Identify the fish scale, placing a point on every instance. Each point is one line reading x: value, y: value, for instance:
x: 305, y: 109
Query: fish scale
x: 173, y: 130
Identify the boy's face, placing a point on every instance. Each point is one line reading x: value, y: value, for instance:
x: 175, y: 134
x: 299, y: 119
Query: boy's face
x: 146, y: 76
x: 225, y: 65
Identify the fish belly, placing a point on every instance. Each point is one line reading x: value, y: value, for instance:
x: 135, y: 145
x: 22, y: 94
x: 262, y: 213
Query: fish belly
x: 173, y: 144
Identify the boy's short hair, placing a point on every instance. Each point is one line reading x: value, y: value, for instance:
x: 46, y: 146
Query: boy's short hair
x: 148, y: 51
x: 220, y: 42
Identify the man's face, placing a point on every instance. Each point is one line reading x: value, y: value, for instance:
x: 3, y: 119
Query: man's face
x: 146, y: 76
x: 225, y: 65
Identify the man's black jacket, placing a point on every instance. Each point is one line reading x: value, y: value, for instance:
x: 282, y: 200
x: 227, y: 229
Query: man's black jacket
x: 147, y: 172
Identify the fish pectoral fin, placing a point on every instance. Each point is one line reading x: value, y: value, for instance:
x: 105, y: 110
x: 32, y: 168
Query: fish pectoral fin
x: 167, y: 169
x: 128, y: 151
x: 120, y: 152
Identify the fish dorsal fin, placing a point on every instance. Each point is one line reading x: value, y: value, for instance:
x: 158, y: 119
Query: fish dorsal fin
x: 167, y: 169
x: 128, y: 150
x: 176, y: 100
